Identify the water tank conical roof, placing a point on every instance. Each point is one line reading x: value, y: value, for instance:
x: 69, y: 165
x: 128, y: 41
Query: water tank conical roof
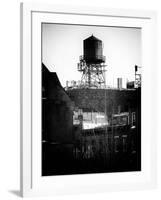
x: 92, y: 37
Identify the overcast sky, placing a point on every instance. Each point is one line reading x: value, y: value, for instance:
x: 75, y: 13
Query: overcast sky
x: 63, y: 44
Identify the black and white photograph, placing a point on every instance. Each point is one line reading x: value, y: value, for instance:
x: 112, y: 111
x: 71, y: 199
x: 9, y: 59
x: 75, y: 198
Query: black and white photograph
x: 90, y: 99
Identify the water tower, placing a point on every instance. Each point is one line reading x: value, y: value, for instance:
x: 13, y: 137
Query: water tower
x: 92, y: 64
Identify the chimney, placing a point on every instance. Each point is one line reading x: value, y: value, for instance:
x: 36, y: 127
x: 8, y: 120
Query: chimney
x: 67, y: 84
x: 119, y: 83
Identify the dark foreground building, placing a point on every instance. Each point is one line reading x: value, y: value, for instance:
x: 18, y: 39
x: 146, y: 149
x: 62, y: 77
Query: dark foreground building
x: 89, y: 130
x: 57, y: 125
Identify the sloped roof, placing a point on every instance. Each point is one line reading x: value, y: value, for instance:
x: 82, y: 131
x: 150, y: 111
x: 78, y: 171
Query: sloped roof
x: 50, y: 75
x: 92, y: 38
x: 53, y: 86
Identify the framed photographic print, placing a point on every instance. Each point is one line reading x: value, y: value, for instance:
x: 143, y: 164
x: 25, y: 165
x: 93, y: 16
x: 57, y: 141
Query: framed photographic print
x: 88, y: 78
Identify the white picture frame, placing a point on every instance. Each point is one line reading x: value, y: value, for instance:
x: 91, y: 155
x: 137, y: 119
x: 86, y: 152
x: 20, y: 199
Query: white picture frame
x: 32, y: 183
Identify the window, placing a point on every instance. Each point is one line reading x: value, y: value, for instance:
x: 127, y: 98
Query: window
x: 133, y: 118
x: 124, y: 143
x: 116, y: 144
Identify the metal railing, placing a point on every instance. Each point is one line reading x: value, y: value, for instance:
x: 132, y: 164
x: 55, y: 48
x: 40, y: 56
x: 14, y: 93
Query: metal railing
x: 96, y: 57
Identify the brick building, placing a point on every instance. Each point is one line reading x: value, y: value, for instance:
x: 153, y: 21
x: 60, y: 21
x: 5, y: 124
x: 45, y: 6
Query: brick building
x: 115, y: 143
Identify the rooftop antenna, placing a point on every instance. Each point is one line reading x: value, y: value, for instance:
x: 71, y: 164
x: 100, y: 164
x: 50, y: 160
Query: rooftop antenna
x: 137, y: 76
